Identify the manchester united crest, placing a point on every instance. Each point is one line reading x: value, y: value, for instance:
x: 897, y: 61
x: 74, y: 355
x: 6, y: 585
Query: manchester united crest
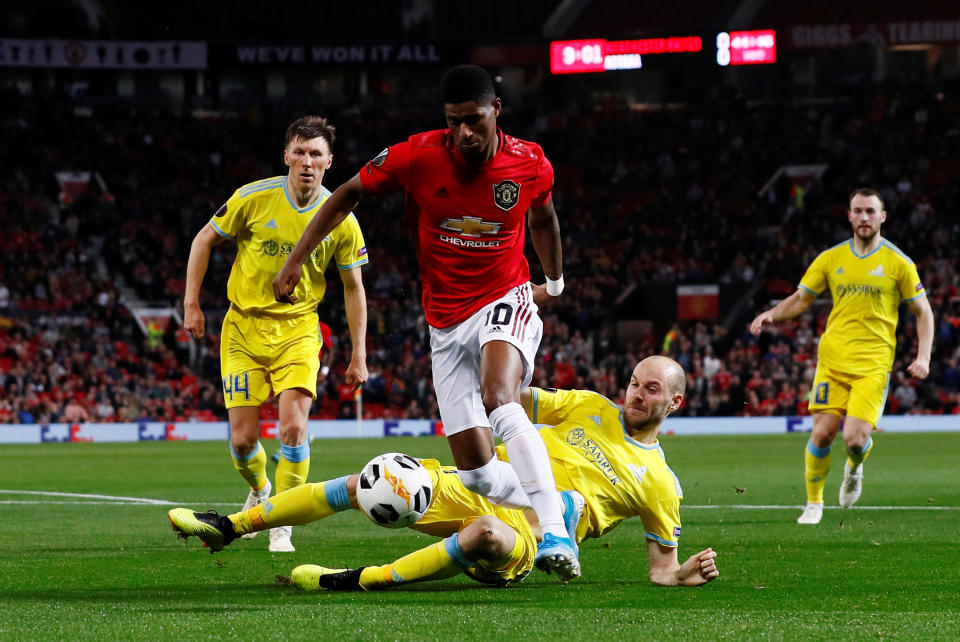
x: 506, y: 194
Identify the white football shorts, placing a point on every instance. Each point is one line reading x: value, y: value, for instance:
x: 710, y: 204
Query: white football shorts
x: 455, y: 353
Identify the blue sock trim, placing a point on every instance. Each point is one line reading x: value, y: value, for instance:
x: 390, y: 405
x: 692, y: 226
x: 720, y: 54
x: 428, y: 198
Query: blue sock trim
x: 452, y: 544
x: 862, y: 450
x: 337, y: 496
x: 295, y: 454
x: 819, y: 453
x: 253, y: 453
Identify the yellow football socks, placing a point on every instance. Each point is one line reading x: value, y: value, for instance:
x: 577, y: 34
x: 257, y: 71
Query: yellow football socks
x: 856, y: 457
x: 293, y: 466
x: 299, y: 505
x: 253, y: 467
x: 438, y: 561
x: 817, y: 465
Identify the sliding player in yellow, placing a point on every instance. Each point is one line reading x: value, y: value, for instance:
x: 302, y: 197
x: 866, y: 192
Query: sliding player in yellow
x: 268, y: 347
x: 606, y: 461
x: 867, y: 277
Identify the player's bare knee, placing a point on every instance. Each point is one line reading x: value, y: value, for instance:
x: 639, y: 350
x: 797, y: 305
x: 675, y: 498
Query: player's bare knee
x: 486, y: 538
x: 292, y: 434
x: 855, y: 442
x: 825, y: 429
x: 496, y: 396
x: 243, y: 444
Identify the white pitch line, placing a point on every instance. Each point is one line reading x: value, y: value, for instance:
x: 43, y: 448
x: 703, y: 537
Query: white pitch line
x: 36, y: 502
x: 115, y: 498
x: 134, y: 501
x: 801, y: 507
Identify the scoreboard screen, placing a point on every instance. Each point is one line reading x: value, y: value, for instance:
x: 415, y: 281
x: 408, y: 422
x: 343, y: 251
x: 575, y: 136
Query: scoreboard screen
x: 747, y: 47
x: 597, y: 54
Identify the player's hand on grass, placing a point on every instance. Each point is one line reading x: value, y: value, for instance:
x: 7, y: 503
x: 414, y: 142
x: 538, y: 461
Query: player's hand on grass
x: 193, y: 320
x: 756, y: 327
x: 920, y: 368
x: 699, y: 569
x: 285, y: 283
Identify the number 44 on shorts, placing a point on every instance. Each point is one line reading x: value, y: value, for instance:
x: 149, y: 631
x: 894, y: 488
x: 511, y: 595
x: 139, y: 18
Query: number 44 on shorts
x: 236, y: 384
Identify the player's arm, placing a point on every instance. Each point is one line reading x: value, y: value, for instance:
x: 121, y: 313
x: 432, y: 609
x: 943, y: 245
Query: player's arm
x: 355, y: 302
x: 203, y: 243
x: 545, y: 235
x: 666, y: 569
x: 550, y: 406
x: 792, y: 306
x: 920, y: 307
x: 336, y: 208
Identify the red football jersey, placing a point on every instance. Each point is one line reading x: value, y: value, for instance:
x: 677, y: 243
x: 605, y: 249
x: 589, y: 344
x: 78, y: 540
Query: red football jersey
x: 470, y: 218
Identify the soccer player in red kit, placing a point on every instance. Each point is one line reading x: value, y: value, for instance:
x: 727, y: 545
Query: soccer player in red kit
x: 470, y: 191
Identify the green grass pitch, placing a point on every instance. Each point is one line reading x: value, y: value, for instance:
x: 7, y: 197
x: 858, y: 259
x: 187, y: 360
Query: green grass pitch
x: 74, y: 567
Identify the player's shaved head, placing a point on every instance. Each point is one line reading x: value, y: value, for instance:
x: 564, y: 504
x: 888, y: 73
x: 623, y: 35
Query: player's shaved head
x: 655, y: 390
x: 667, y: 370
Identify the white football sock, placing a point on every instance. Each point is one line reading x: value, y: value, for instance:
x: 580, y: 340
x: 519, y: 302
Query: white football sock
x: 529, y: 458
x: 497, y: 481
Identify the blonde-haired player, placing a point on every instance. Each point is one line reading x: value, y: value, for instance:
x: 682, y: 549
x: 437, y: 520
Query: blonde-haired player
x: 868, y: 277
x: 607, y: 463
x: 267, y: 347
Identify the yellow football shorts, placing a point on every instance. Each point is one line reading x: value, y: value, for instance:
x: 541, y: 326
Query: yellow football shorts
x: 258, y: 354
x: 844, y: 394
x: 453, y: 508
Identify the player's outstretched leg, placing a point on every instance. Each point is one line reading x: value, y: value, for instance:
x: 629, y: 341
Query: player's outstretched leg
x: 311, y: 577
x: 213, y: 529
x: 255, y: 498
x: 812, y: 513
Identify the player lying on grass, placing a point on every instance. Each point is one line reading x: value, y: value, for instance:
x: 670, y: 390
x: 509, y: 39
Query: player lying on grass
x: 605, y: 459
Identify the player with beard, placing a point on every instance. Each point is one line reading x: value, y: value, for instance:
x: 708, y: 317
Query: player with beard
x: 868, y: 277
x: 605, y: 458
x: 471, y: 191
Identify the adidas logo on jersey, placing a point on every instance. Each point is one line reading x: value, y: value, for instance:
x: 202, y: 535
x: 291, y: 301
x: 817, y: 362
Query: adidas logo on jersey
x: 638, y: 471
x: 839, y: 270
x: 271, y: 225
x: 877, y: 271
x: 441, y: 193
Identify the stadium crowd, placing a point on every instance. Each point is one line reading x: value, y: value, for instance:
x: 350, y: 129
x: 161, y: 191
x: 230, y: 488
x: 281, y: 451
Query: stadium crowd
x: 645, y: 197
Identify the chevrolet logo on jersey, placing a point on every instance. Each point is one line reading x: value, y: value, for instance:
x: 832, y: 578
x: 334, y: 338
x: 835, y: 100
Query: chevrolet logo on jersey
x: 470, y: 226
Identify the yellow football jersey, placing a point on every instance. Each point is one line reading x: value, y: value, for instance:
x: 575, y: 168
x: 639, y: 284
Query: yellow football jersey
x: 619, y: 477
x: 266, y: 223
x: 860, y: 337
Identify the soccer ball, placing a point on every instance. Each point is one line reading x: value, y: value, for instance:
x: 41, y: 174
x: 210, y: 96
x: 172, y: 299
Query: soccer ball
x: 394, y: 490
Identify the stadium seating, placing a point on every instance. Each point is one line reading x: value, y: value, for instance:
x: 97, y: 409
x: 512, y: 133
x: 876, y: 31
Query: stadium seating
x: 668, y: 197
